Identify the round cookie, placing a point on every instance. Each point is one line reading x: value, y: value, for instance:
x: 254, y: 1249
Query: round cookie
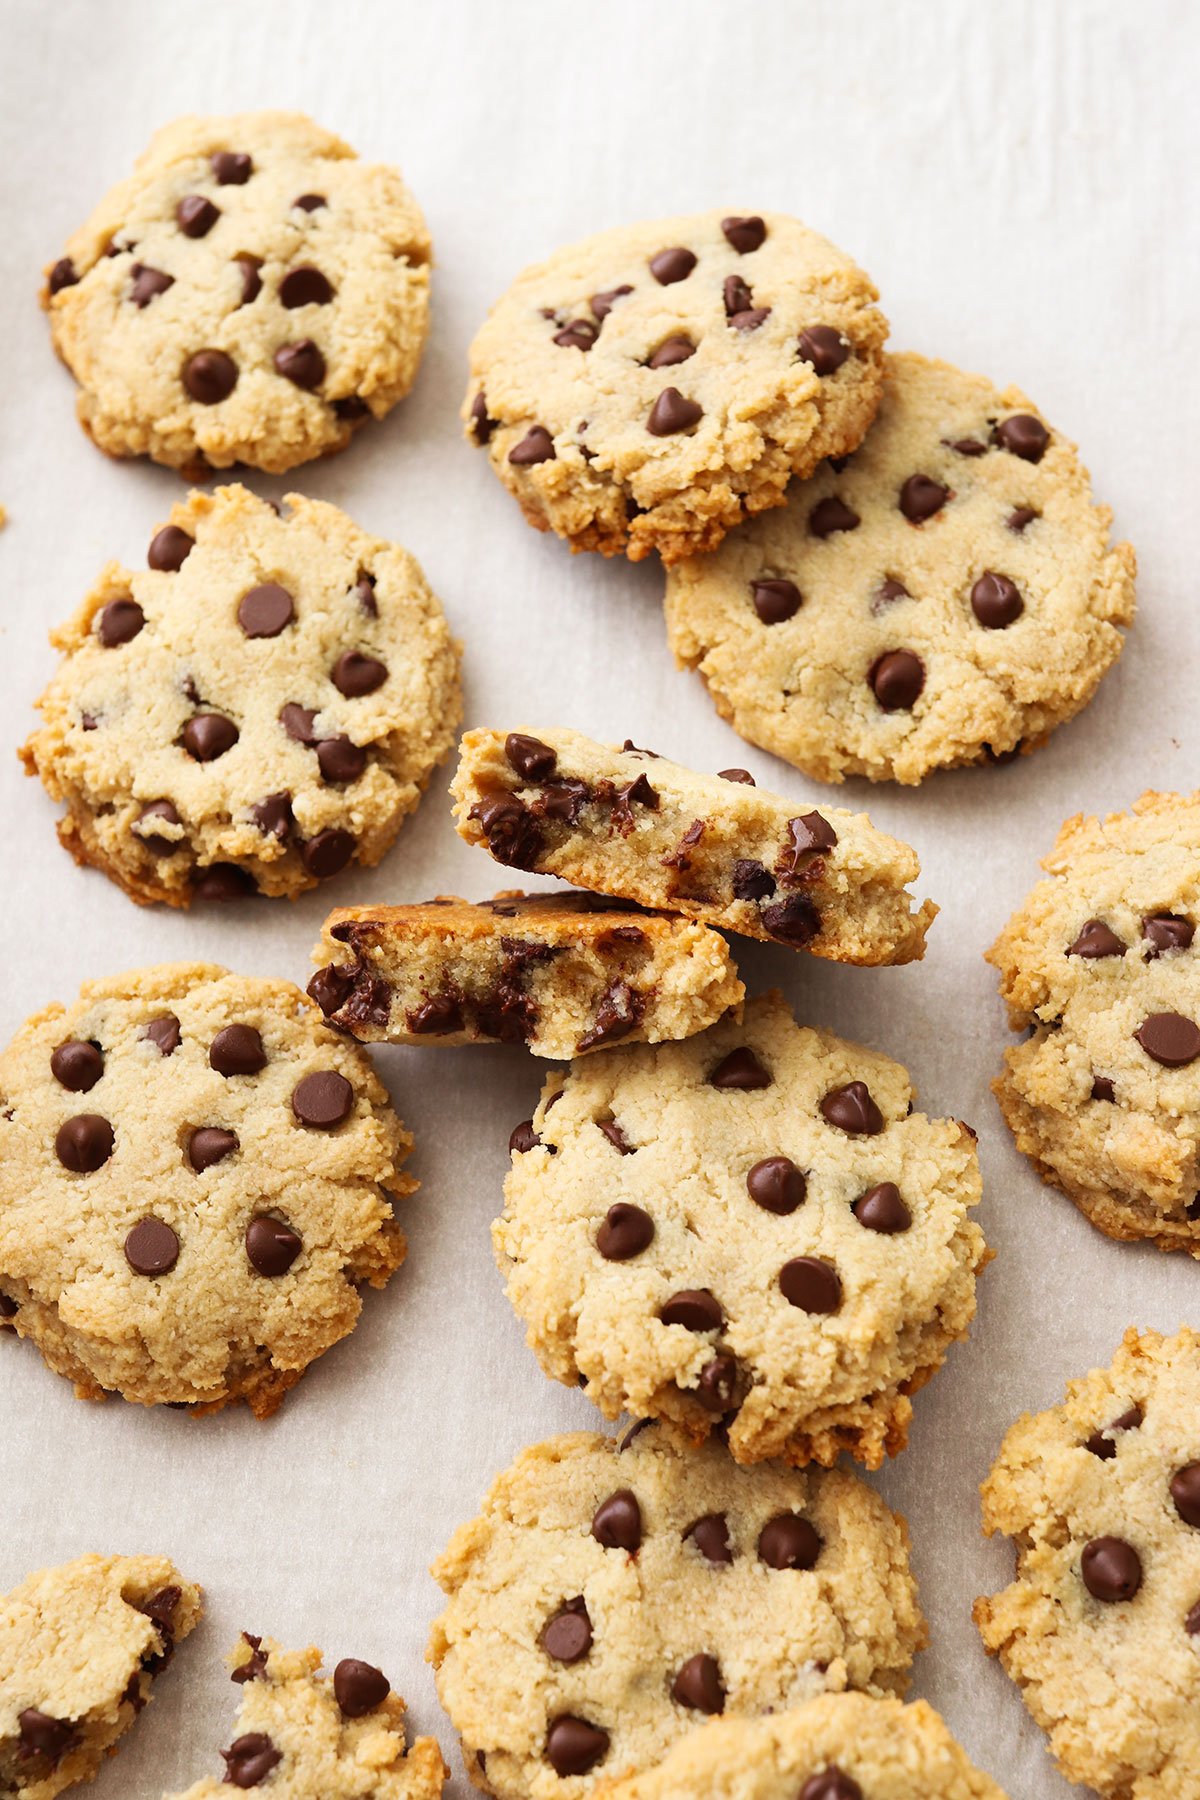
x: 650, y: 387
x: 1098, y: 967
x: 1101, y: 1627
x: 610, y: 1597
x: 308, y: 1736
x: 196, y: 1176
x: 252, y: 293
x: 260, y: 706
x: 750, y: 1231
x: 946, y: 596
x: 836, y: 1747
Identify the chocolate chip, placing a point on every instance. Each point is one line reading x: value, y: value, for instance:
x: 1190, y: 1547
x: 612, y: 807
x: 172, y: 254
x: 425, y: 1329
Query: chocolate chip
x: 579, y: 334
x: 567, y: 1635
x: 736, y: 295
x: 529, y: 757
x: 573, y: 1746
x: 437, y: 1017
x: 250, y: 1759
x: 151, y: 1248
x: 830, y: 515
x: 717, y: 1387
x: 255, y: 1665
x: 882, y: 1209
x: 897, y: 679
x: 831, y: 1784
x: 154, y: 841
x: 305, y: 286
x: 750, y: 880
x: 1101, y: 1443
x: 696, y: 1309
x: 163, y: 1033
x: 264, y: 611
x: 888, y: 592
x: 921, y: 497
x: 1167, y: 931
x: 8, y: 1307
x: 740, y: 1070
x: 298, y: 722
x: 698, y: 1685
x: 744, y: 235
x: 274, y: 817
x: 271, y: 1245
x: 1096, y: 939
x: 301, y: 363
x: 210, y: 376
x: 625, y: 1232
x: 742, y: 775
x: 788, y: 1542
x: 673, y: 412
x: 1169, y: 1038
x: 995, y: 601
x: 328, y: 852
x: 637, y: 793
x: 1102, y: 1088
x: 77, y: 1065
x: 84, y: 1143
x: 670, y: 266
x: 792, y: 921
x: 513, y: 834
x: 359, y: 1687
x: 231, y: 167
x: 602, y: 304
x: 617, y: 1522
x: 323, y: 1100
x: 710, y: 1535
x: 563, y: 800
x: 208, y: 1145
x: 777, y: 1185
x: 619, y: 1010
x: 43, y: 1736
x: 206, y: 736
x: 1191, y: 1623
x: 355, y: 674
x: 63, y: 275
x: 1111, y: 1569
x: 310, y: 202
x: 120, y: 622
x: 967, y: 446
x: 810, y: 831
x: 851, y: 1108
x: 775, y: 599
x: 675, y: 349
x: 1020, y: 517
x: 823, y: 347
x: 251, y: 279
x: 1185, y: 1492
x: 537, y: 446
x: 221, y: 882
x: 1023, y: 436
x: 237, y: 1050
x: 811, y: 1284
x: 170, y: 549
x: 196, y: 215
x: 148, y: 283
x: 481, y: 426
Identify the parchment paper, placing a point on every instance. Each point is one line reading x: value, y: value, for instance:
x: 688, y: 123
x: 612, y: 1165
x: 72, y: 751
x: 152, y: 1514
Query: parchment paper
x: 1019, y: 179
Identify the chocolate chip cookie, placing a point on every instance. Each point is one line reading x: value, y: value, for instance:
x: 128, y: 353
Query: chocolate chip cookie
x: 610, y: 1598
x: 560, y: 973
x: 836, y: 1747
x: 946, y: 595
x: 628, y: 823
x: 1101, y: 1627
x: 261, y: 706
x: 306, y: 1736
x: 650, y: 387
x: 80, y: 1648
x: 196, y: 1177
x: 1098, y: 968
x: 252, y: 293
x: 751, y: 1231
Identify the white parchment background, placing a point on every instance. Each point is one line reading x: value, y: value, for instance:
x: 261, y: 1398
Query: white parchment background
x: 1019, y: 179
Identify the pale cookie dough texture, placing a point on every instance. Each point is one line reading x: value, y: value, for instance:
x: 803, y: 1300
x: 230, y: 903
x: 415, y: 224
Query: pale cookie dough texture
x: 751, y: 1231
x: 648, y: 388
x: 259, y: 707
x: 562, y: 974
x: 252, y: 293
x: 80, y: 1647
x: 948, y: 595
x: 1101, y: 1627
x: 607, y: 1600
x: 1098, y: 967
x: 196, y: 1177
x: 305, y: 1736
x: 837, y: 1747
x: 631, y: 824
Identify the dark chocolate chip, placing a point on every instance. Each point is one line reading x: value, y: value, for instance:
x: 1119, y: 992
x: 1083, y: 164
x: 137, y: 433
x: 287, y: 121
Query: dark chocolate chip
x: 717, y: 1387
x: 602, y: 304
x: 328, y: 852
x: 1023, y: 436
x: 84, y: 1143
x: 811, y: 1284
x: 823, y: 347
x: 831, y: 1783
x: 537, y: 446
x: 673, y: 412
x: 208, y: 1145
x: 438, y: 1016
x: 624, y: 1233
x: 310, y: 203
x: 675, y: 349
x: 323, y: 1100
x: 77, y: 1065
x: 619, y: 1010
x: 301, y: 363
x: 810, y: 831
x: 788, y: 1542
x: 670, y: 266
x: 151, y: 1248
x: 995, y: 601
x: 351, y: 408
x: 120, y: 622
x: 148, y: 283
x: 573, y: 1746
x: 966, y: 446
x: 744, y: 235
x: 529, y: 757
x: 255, y: 1665
x: 617, y: 1522
x: 274, y: 817
x: 170, y: 549
x: 1111, y: 1569
x: 742, y: 775
x: 271, y: 1245
x: 795, y: 920
x: 711, y: 1537
x: 888, y: 592
x: 851, y: 1108
x: 232, y: 168
x: 221, y: 882
x: 355, y: 674
x: 63, y: 275
x: 1167, y: 931
x: 775, y: 599
x: 250, y: 1759
x: 359, y: 1687
x: 1102, y: 1444
x: 830, y: 515
x: 208, y: 735
x: 264, y: 611
x: 921, y: 497
x: 331, y: 987
x: 896, y: 679
x: 43, y: 1736
x: 1096, y: 939
x: 1020, y: 517
x: 251, y: 279
x: 1102, y: 1088
x: 567, y: 1635
x: 210, y: 376
x: 196, y: 215
x: 740, y: 1070
x: 736, y: 295
x: 154, y: 841
x: 305, y: 286
x: 882, y: 1209
x: 1170, y: 1038
x: 698, y: 1685
x: 1185, y: 1492
x: 696, y: 1309
x: 578, y: 334
x: 750, y: 880
x: 237, y: 1050
x: 513, y: 834
x: 523, y: 1138
x: 777, y: 1185
x: 163, y: 1033
x: 298, y: 722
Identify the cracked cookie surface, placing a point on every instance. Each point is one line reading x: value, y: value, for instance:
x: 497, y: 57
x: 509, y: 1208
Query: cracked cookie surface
x: 751, y: 1231
x: 948, y: 595
x: 259, y: 707
x: 196, y: 1176
x: 251, y: 293
x: 607, y: 1600
x: 648, y: 388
